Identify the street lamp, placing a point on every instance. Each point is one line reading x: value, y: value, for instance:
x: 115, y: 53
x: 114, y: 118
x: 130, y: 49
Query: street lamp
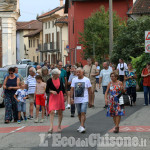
x: 110, y: 27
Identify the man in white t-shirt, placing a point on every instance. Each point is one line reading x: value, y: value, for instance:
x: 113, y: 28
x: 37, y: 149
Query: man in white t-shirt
x: 122, y: 67
x: 80, y: 93
x: 104, y: 78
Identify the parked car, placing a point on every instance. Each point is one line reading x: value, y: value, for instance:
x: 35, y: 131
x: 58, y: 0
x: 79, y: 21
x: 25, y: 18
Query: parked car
x: 3, y: 71
x: 33, y: 64
x: 25, y: 61
x: 23, y: 69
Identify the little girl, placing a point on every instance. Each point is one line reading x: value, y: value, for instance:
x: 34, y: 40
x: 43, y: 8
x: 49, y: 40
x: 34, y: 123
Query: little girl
x: 40, y: 98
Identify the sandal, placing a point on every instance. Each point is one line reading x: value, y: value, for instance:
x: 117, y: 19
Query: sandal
x: 59, y: 130
x: 50, y: 131
x: 7, y: 121
x: 116, y: 130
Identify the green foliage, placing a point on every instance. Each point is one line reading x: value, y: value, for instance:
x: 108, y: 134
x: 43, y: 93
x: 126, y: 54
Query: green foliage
x: 96, y: 30
x: 139, y: 63
x: 131, y: 39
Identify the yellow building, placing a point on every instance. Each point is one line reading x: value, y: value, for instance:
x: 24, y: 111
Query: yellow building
x: 34, y: 42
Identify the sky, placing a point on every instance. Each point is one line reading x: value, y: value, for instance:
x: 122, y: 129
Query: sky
x: 30, y: 8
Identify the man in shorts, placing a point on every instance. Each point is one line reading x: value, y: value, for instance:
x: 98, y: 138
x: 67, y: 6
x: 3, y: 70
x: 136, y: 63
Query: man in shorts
x: 90, y: 71
x: 80, y: 92
x: 105, y: 78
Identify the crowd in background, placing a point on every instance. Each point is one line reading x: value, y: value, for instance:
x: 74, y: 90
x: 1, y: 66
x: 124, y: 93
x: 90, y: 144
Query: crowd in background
x: 49, y: 86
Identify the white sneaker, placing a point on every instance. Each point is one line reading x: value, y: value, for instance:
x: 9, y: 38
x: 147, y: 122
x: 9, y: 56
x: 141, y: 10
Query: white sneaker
x: 68, y: 106
x: 82, y: 130
x: 78, y: 129
x: 36, y: 120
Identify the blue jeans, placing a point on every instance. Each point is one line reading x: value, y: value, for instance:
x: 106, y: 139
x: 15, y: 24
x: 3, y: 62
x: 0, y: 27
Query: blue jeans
x: 21, y: 107
x: 82, y: 107
x: 146, y: 93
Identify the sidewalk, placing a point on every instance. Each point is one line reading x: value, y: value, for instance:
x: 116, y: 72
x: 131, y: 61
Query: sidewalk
x: 136, y: 126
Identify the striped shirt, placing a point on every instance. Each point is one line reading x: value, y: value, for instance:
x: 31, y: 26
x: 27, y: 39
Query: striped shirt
x: 31, y: 82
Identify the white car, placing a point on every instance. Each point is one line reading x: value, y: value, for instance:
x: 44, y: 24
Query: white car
x: 25, y: 61
x: 3, y: 71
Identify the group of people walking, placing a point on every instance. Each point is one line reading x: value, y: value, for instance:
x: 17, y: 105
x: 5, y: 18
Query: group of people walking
x: 49, y: 88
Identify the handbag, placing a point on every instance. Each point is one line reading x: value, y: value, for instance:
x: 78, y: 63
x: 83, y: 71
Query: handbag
x: 121, y: 101
x: 3, y: 94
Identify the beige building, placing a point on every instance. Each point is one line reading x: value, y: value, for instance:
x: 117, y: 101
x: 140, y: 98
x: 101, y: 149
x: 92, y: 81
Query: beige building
x: 34, y: 40
x: 55, y: 35
x: 28, y: 37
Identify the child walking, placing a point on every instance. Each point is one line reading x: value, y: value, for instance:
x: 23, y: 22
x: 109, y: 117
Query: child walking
x: 21, y: 95
x: 40, y: 98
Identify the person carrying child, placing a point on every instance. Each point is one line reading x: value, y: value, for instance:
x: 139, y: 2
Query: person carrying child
x: 21, y: 95
x: 40, y: 98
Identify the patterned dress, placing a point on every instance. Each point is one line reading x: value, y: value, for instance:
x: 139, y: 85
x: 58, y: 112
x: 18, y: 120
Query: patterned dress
x: 114, y: 109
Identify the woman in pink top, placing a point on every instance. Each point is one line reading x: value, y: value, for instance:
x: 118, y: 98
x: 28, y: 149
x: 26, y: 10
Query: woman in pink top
x: 56, y: 101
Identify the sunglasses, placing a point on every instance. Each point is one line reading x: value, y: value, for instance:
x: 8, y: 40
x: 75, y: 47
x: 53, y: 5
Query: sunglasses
x: 11, y: 73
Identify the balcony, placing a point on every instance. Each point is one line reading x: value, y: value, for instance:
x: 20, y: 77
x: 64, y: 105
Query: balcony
x: 49, y: 47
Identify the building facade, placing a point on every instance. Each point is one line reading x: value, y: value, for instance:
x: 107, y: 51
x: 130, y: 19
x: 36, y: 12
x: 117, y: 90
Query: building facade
x: 55, y: 35
x: 35, y: 39
x: 9, y: 14
x: 78, y: 11
x: 26, y: 42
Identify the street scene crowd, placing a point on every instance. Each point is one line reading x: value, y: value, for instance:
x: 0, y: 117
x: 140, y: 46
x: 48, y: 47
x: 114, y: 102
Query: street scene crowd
x: 49, y: 87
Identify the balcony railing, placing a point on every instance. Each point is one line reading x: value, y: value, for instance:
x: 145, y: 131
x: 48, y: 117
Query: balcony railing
x: 49, y: 47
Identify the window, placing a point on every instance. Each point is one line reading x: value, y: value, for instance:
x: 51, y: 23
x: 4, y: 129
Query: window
x: 29, y: 43
x: 58, y: 40
x: 34, y: 43
x: 49, y: 24
x: 49, y: 38
x: 37, y: 42
x: 46, y: 25
x: 53, y: 24
x: 46, y: 38
x: 33, y: 58
x: 37, y: 59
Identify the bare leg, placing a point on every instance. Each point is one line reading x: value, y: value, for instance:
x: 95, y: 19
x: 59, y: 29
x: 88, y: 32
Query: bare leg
x: 43, y: 111
x: 68, y: 97
x: 93, y: 97
x: 37, y: 110
x: 19, y: 115
x: 51, y: 119
x: 83, y: 118
x: 31, y: 109
x: 114, y: 118
x: 24, y: 113
x: 60, y: 116
x: 118, y: 118
x: 79, y: 116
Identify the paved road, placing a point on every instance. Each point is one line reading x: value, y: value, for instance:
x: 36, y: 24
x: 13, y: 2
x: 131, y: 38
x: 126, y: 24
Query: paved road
x: 26, y: 136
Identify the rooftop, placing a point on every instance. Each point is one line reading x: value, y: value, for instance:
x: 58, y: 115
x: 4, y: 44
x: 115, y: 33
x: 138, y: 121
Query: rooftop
x: 140, y: 7
x: 51, y: 12
x: 31, y: 25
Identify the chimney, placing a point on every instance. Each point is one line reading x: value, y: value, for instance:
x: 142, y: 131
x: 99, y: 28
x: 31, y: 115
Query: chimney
x: 61, y: 3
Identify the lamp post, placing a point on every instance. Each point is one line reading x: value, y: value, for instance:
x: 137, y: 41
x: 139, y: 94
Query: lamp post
x: 110, y: 27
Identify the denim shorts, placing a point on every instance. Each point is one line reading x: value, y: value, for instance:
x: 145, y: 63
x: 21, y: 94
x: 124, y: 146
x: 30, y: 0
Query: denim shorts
x: 82, y: 107
x: 104, y: 89
x: 21, y: 107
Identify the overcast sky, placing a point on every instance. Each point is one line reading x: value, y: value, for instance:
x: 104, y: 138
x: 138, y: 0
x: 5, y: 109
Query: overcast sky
x: 30, y: 8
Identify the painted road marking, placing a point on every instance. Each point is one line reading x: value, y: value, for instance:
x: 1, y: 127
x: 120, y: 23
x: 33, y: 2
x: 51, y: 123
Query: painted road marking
x: 18, y: 129
x: 24, y: 129
x: 132, y: 129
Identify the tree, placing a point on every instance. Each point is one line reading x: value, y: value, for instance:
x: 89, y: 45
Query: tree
x: 96, y: 33
x: 139, y: 63
x: 131, y: 39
